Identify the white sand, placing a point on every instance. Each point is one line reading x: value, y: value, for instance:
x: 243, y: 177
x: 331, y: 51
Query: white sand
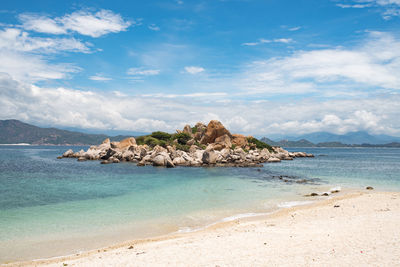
x: 363, y: 231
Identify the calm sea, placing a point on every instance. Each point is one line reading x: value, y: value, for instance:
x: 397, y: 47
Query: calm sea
x: 51, y: 207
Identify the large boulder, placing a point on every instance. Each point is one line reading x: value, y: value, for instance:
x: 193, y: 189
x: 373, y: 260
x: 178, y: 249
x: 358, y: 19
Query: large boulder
x: 209, y: 157
x: 187, y: 129
x: 239, y: 140
x: 68, y: 154
x: 159, y: 160
x: 179, y: 161
x: 200, y: 129
x: 214, y: 130
x: 224, y: 141
x: 158, y: 150
x: 106, y: 144
x: 124, y: 144
x: 163, y: 159
x: 110, y: 152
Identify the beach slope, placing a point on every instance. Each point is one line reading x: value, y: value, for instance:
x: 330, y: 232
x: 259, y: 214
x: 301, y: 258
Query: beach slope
x: 357, y: 229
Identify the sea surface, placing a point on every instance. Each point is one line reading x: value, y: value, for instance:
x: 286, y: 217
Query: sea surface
x: 51, y: 207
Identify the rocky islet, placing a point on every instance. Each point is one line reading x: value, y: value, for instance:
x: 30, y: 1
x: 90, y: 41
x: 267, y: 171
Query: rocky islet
x: 201, y: 145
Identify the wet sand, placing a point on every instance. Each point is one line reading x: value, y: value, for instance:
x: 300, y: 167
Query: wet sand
x: 357, y: 229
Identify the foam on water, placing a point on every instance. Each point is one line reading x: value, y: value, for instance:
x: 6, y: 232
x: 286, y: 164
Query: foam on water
x: 289, y: 204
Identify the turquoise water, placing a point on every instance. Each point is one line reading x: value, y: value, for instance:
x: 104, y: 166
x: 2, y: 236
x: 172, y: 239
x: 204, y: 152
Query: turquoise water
x: 51, y: 207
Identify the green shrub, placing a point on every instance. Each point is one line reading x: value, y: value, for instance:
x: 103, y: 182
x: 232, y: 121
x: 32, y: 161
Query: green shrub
x: 140, y: 140
x: 194, y: 130
x: 182, y: 138
x: 233, y: 146
x: 200, y: 145
x: 259, y: 144
x: 182, y: 147
x: 161, y: 135
x: 162, y: 143
x: 151, y: 141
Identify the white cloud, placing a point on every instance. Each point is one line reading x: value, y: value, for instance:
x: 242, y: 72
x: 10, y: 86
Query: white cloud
x: 215, y: 94
x: 95, y: 25
x: 251, y: 44
x: 267, y: 41
x: 194, y: 69
x: 295, y: 28
x: 154, y: 27
x: 388, y: 8
x: 82, y: 22
x: 16, y: 40
x: 376, y: 63
x: 32, y: 68
x: 115, y: 110
x: 99, y: 77
x: 142, y: 72
x: 354, y: 6
x: 42, y: 24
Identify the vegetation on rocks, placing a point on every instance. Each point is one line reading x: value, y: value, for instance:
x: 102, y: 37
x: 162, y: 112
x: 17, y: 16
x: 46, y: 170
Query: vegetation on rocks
x: 211, y: 145
x: 259, y: 144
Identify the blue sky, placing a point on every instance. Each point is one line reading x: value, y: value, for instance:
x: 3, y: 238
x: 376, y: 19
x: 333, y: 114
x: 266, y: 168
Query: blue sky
x: 261, y: 67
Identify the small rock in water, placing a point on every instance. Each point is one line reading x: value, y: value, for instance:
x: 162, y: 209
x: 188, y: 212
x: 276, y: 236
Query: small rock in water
x: 59, y: 157
x: 131, y: 247
x: 325, y: 194
x: 82, y: 159
x: 369, y: 188
x: 336, y: 206
x: 311, y: 195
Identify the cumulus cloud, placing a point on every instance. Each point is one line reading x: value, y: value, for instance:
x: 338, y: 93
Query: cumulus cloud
x: 194, y: 69
x: 83, y: 22
x: 101, y: 110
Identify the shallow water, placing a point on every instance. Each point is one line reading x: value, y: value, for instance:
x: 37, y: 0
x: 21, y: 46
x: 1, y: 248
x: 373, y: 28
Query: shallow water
x: 51, y: 207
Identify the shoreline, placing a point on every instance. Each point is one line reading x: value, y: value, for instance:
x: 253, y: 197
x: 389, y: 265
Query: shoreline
x: 282, y: 214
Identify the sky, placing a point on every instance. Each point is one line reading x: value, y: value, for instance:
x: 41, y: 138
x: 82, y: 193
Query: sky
x: 261, y: 67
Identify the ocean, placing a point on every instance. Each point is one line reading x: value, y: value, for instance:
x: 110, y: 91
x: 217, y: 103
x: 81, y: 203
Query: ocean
x: 51, y: 207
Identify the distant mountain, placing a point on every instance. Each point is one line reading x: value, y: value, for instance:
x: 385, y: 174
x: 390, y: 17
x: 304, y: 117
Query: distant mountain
x: 306, y: 143
x: 300, y: 143
x: 14, y: 131
x: 359, y: 137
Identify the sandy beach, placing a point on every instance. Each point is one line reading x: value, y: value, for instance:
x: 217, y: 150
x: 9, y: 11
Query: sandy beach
x: 357, y: 229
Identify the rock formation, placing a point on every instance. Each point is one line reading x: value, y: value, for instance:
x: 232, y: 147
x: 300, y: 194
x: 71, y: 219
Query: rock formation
x: 211, y: 145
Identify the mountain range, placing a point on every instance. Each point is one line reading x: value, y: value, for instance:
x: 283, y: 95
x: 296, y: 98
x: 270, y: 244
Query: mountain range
x: 306, y: 143
x: 359, y: 137
x: 14, y: 132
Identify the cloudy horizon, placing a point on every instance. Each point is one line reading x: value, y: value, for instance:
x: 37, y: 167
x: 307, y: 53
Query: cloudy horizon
x: 276, y: 68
